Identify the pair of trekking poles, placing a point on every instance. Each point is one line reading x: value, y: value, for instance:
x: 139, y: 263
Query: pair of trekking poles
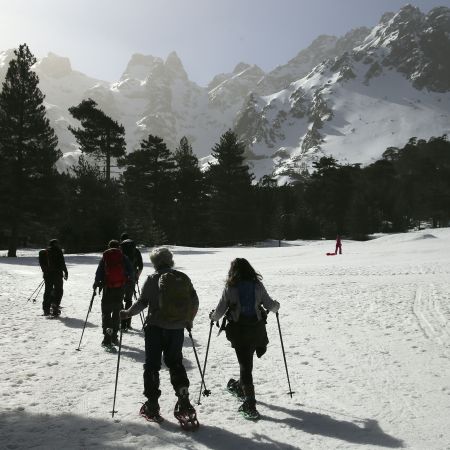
x: 36, y: 292
x: 120, y: 345
x: 207, y: 392
x: 118, y: 354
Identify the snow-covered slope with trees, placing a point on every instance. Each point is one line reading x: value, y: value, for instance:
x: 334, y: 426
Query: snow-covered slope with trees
x: 350, y: 96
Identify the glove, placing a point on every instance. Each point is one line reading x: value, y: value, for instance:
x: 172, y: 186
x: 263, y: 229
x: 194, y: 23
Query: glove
x: 123, y: 314
x: 66, y: 275
x: 211, y: 313
x: 95, y: 286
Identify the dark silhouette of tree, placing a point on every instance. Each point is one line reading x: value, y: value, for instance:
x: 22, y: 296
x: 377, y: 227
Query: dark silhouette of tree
x: 148, y: 183
x: 189, y: 196
x: 99, y: 135
x: 232, y: 212
x: 94, y: 209
x: 28, y: 149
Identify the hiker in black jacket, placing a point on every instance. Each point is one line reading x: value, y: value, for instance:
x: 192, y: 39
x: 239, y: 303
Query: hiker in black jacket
x: 130, y: 250
x: 54, y: 269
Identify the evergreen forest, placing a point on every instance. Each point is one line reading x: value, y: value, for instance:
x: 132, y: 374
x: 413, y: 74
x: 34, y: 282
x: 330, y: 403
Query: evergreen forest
x: 161, y: 195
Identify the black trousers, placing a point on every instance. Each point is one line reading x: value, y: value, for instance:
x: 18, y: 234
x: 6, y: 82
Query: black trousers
x: 111, y: 306
x: 245, y: 358
x: 53, y: 291
x: 169, y: 344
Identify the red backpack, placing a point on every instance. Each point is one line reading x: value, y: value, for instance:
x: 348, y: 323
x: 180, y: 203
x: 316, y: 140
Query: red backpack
x: 114, y: 268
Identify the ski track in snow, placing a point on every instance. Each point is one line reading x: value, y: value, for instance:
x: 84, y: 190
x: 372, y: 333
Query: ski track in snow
x: 366, y: 334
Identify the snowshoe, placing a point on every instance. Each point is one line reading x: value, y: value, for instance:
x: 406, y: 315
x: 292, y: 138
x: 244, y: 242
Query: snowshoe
x: 150, y: 412
x: 186, y: 415
x: 109, y: 347
x: 235, y: 388
x: 248, y: 410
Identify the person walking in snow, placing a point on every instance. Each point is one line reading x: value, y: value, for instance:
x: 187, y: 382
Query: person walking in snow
x: 113, y: 272
x: 165, y: 292
x: 243, y: 299
x: 338, y: 245
x: 54, y: 269
x: 130, y: 250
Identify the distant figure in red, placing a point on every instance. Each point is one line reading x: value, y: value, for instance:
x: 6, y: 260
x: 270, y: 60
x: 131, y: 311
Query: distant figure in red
x: 338, y: 245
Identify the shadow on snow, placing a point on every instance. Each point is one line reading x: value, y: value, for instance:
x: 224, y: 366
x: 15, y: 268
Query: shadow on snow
x: 21, y: 429
x: 368, y: 433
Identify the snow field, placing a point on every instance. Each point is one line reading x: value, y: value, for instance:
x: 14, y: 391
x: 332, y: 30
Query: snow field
x: 366, y: 335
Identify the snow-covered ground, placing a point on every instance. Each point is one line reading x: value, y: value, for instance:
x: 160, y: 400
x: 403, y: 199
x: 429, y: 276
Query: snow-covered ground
x: 366, y: 334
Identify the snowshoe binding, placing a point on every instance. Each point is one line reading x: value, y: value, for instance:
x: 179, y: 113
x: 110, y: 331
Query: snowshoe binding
x: 107, y: 344
x: 235, y: 388
x: 150, y: 412
x: 55, y: 310
x: 186, y: 415
x: 248, y: 410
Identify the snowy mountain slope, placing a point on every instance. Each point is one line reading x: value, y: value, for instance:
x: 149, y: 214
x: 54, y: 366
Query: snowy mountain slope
x: 366, y: 335
x: 350, y: 97
x: 394, y: 86
x: 322, y: 48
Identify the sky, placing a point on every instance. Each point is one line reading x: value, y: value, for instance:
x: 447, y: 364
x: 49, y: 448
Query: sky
x: 209, y: 36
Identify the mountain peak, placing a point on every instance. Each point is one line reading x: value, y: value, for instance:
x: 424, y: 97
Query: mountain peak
x: 240, y: 67
x: 54, y: 66
x: 174, y: 64
x: 140, y: 66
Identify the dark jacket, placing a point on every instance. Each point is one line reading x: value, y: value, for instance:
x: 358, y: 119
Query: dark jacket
x: 52, y: 262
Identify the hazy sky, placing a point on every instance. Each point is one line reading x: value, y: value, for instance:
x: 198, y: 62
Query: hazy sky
x: 210, y: 36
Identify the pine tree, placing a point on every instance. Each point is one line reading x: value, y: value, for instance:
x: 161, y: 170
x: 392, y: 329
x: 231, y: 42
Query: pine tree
x: 231, y: 208
x: 93, y: 209
x: 148, y: 183
x: 189, y: 195
x: 100, y: 135
x: 28, y: 147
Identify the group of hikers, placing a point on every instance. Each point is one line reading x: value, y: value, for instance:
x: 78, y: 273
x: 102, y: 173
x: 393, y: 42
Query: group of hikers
x: 172, y: 306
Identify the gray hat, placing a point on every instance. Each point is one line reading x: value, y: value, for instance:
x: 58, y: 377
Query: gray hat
x: 161, y: 257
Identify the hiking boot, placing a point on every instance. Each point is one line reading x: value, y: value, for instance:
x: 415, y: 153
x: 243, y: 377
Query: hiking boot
x: 106, y: 340
x: 248, y: 409
x: 46, y: 312
x: 235, y: 388
x: 115, y: 340
x: 55, y: 310
x: 150, y: 408
x: 183, y: 405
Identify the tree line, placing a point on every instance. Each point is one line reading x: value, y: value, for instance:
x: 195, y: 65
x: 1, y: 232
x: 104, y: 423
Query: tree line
x: 162, y: 196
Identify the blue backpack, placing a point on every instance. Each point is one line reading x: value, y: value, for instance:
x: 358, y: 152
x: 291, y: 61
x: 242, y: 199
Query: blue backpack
x: 247, y: 298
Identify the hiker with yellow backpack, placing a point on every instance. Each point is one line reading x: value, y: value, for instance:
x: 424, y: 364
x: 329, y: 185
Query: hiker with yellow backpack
x: 172, y: 305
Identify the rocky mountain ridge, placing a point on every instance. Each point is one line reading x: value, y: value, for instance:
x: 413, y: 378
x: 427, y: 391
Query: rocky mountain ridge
x: 350, y: 96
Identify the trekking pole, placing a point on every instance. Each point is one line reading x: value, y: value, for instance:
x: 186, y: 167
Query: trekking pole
x: 38, y: 292
x: 284, y: 355
x: 87, y: 315
x: 141, y: 314
x: 206, y: 391
x: 117, y: 370
x: 37, y: 289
